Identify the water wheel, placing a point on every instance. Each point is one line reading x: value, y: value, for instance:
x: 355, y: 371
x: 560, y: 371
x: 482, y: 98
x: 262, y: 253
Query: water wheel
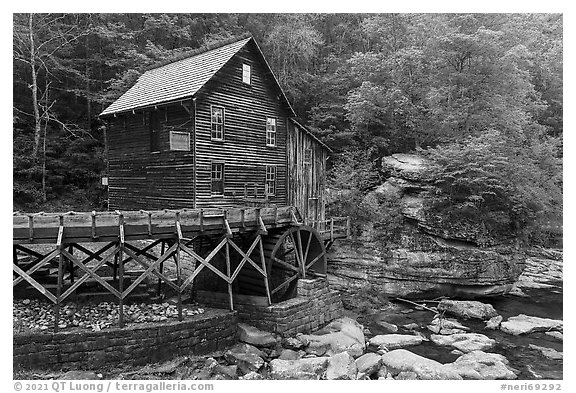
x: 290, y: 253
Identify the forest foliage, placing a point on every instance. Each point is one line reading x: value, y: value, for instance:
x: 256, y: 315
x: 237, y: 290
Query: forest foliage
x: 479, y: 94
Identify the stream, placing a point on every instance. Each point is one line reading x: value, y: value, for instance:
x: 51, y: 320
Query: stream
x: 543, y: 300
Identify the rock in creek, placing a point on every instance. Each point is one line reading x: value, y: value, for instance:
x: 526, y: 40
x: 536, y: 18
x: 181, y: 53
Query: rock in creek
x: 368, y: 364
x: 395, y: 341
x: 525, y: 324
x: 556, y: 335
x: 482, y: 365
x: 446, y: 326
x: 251, y: 335
x: 465, y: 342
x: 468, y: 309
x: 340, y: 335
x: 494, y: 323
x: 388, y: 327
x: 400, y: 360
x: 548, y: 353
x: 311, y: 368
x: 341, y: 366
x: 80, y: 375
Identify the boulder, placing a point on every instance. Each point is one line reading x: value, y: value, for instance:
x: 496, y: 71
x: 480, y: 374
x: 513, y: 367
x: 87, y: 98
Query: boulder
x: 340, y: 335
x: 465, y: 342
x: 446, y: 326
x: 368, y: 364
x: 548, y: 353
x: 467, y: 309
x: 494, y: 323
x: 80, y: 375
x: 288, y: 354
x: 252, y: 376
x: 395, y: 341
x: 311, y: 368
x: 482, y: 365
x: 411, y: 326
x: 246, y: 357
x: 525, y: 324
x: 246, y: 348
x: 251, y: 335
x: 400, y: 360
x: 292, y: 343
x: 556, y: 335
x: 341, y: 366
x: 229, y: 372
x: 388, y: 327
x: 407, y: 376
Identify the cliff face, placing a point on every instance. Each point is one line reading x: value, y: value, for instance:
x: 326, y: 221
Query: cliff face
x: 433, y: 257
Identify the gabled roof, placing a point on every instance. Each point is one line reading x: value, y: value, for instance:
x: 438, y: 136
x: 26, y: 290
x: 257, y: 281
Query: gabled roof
x: 180, y: 79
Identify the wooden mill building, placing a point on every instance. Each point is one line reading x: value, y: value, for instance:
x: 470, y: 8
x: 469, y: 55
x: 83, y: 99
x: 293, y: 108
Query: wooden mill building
x: 213, y: 129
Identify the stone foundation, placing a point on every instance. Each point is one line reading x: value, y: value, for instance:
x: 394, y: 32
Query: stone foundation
x: 137, y: 344
x: 314, y: 306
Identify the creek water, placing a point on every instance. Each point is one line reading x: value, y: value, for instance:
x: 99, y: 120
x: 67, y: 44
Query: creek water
x: 531, y: 364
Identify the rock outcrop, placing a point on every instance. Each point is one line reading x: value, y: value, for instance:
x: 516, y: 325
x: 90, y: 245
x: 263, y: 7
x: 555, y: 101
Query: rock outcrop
x: 432, y: 256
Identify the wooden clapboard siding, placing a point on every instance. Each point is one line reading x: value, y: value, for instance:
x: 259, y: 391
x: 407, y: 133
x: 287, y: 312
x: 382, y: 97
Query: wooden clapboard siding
x: 140, y: 179
x: 244, y: 149
x: 306, y: 181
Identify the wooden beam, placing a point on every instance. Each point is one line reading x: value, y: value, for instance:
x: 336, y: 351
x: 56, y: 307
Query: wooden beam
x: 263, y: 262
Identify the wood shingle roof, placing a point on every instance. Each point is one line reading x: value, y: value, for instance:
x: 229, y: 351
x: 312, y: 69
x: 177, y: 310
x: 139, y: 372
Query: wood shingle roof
x: 177, y: 80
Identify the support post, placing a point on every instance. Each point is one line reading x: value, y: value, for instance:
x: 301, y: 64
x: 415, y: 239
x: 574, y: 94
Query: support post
x: 60, y: 275
x: 70, y: 264
x: 263, y: 261
x: 120, y: 261
x: 228, y: 272
x: 159, y: 289
x: 178, y: 267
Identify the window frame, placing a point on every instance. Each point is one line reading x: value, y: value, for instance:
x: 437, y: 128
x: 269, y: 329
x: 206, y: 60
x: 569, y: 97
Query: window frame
x: 247, y: 70
x: 222, y: 178
x: 212, y: 123
x: 270, y: 133
x: 273, y: 180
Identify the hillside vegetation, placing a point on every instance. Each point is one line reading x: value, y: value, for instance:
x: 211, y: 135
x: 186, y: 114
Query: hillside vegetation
x: 480, y: 95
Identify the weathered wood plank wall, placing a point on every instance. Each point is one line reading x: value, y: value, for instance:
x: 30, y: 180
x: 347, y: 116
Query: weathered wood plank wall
x: 141, y: 179
x: 307, y: 179
x: 244, y: 149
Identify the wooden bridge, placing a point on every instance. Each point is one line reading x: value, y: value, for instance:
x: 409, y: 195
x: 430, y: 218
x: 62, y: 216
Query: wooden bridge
x: 254, y: 251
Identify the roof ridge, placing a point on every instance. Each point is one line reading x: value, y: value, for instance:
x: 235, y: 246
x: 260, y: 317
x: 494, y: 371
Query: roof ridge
x: 198, y: 51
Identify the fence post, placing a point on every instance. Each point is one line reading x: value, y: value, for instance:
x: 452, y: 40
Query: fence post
x: 332, y: 229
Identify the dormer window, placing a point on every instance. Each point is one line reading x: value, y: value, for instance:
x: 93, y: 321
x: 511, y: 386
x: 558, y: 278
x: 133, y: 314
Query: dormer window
x: 246, y: 73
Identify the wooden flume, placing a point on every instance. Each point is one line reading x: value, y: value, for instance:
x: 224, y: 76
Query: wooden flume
x: 264, y: 250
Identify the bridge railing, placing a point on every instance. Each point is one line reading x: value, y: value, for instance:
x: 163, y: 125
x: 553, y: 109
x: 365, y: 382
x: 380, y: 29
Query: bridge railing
x: 332, y: 228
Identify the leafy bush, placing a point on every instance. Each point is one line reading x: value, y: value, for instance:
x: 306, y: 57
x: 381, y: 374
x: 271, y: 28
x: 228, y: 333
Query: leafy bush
x: 505, y: 186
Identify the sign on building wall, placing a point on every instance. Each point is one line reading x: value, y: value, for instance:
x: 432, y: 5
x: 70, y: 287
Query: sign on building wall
x: 179, y: 140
